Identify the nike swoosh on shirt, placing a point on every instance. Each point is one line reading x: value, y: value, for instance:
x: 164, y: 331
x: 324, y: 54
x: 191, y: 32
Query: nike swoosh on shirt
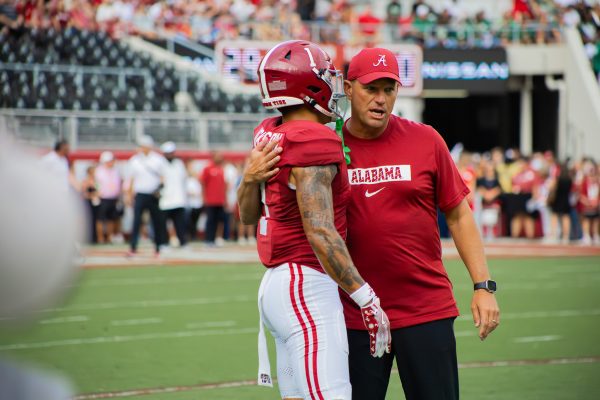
x: 367, y: 194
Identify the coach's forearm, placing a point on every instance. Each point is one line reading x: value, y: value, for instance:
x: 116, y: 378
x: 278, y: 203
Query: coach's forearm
x: 248, y: 195
x: 468, y: 241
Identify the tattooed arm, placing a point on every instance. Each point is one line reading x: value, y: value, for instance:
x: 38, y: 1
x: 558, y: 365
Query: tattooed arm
x: 315, y: 200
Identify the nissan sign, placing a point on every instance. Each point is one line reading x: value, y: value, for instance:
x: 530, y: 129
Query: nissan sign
x: 477, y: 70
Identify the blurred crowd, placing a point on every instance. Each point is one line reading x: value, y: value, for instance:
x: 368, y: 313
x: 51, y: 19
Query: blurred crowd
x: 445, y: 24
x: 533, y: 196
x: 512, y: 195
x: 196, y: 198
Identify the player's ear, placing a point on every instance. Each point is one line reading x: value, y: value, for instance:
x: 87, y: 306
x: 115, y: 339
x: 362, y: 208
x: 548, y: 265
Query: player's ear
x: 348, y: 89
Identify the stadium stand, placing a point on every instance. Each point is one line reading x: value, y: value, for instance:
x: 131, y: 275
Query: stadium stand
x: 75, y: 69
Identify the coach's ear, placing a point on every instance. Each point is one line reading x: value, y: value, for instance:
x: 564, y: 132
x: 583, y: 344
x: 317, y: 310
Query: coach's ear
x: 348, y: 89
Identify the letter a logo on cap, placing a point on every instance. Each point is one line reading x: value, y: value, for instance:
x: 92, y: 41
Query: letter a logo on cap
x: 380, y: 61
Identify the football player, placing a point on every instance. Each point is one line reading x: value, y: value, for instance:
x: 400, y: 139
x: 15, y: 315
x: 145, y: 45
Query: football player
x: 301, y: 217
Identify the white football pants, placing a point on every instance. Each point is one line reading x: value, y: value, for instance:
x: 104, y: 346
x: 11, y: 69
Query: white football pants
x: 302, y: 309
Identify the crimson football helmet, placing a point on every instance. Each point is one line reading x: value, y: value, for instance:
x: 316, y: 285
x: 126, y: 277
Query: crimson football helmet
x: 299, y: 72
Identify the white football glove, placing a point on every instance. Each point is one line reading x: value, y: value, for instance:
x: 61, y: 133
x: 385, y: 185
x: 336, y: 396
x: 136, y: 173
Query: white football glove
x: 375, y: 320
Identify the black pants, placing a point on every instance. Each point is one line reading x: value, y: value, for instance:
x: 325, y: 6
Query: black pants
x: 193, y: 214
x: 148, y: 202
x: 214, y: 215
x: 426, y: 359
x: 177, y: 215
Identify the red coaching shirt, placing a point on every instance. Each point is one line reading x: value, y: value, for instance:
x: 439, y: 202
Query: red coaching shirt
x: 281, y: 236
x: 213, y: 185
x: 397, y: 181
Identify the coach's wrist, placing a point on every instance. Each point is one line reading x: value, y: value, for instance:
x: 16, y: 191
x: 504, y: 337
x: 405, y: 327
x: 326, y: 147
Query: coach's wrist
x: 363, y: 295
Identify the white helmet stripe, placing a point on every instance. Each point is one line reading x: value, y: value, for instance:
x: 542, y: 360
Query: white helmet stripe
x: 312, y: 60
x: 261, y: 70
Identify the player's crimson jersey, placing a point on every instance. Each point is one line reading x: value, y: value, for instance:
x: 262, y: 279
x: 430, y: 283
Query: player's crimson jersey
x: 398, y: 180
x: 281, y: 237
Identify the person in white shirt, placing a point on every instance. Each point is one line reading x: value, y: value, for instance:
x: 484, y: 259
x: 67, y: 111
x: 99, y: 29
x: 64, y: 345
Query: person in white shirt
x: 194, y: 201
x: 146, y: 179
x: 173, y: 195
x: 57, y: 163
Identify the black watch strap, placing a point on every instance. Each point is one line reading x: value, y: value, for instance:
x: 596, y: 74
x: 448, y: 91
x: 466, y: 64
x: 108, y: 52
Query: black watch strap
x: 489, y: 286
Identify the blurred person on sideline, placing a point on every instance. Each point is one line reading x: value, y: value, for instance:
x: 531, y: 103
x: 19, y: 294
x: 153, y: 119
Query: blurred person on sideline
x: 146, y: 179
x: 173, y: 199
x: 523, y: 216
x: 194, y: 201
x: 588, y: 204
x: 300, y: 209
x: 400, y: 172
x: 488, y: 188
x: 109, y: 183
x: 37, y: 265
x: 214, y: 189
x: 89, y: 192
x: 559, y: 200
x: 245, y: 233
x: 57, y: 163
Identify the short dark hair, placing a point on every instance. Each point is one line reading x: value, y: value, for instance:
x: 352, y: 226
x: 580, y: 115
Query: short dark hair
x: 60, y: 143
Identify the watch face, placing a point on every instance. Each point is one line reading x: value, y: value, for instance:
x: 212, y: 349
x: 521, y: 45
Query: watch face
x: 491, y: 285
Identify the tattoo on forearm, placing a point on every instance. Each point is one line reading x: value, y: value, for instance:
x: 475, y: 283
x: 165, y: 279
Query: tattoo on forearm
x: 315, y: 200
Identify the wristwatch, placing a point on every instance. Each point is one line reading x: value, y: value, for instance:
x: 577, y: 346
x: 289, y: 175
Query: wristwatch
x: 489, y: 286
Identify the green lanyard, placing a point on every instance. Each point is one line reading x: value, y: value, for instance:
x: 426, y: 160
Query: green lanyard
x: 339, y: 123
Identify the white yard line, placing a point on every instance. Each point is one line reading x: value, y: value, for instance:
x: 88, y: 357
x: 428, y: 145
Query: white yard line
x: 133, y: 322
x: 171, y: 280
x: 126, y: 338
x: 153, y: 303
x: 535, y: 339
x: 211, y: 324
x: 63, y: 320
x: 208, y: 386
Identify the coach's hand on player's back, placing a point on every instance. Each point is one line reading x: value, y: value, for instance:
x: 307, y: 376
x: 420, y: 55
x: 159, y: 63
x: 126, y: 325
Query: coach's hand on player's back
x: 486, y: 314
x: 261, y: 162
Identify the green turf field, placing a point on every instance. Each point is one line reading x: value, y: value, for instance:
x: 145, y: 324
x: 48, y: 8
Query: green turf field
x: 138, y: 328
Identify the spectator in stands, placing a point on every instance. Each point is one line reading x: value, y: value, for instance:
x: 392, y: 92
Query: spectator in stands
x: 589, y: 201
x: 194, y: 201
x: 109, y: 183
x: 214, y: 189
x: 173, y: 197
x: 146, y: 175
x: 467, y: 173
x: 369, y: 26
x: 523, y: 184
x: 559, y: 200
x: 89, y: 191
x: 10, y: 19
x: 489, y: 190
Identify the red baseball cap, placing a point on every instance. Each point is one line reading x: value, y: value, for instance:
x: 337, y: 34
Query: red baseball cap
x: 373, y: 63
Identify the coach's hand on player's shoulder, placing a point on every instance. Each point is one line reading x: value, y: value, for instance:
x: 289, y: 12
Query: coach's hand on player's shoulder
x: 261, y: 162
x: 486, y: 313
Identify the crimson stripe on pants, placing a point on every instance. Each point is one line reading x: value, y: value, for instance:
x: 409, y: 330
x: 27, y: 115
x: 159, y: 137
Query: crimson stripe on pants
x: 313, y: 328
x: 304, y: 330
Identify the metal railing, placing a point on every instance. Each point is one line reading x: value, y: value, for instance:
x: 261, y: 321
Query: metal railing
x: 79, y: 71
x: 119, y: 130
